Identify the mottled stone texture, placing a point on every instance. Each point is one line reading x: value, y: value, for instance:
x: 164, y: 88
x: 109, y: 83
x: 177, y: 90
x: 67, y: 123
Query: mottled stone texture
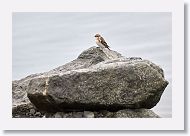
x: 127, y: 113
x: 97, y: 80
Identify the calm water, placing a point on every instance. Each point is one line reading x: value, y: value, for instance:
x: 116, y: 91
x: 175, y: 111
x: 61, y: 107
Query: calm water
x: 43, y: 41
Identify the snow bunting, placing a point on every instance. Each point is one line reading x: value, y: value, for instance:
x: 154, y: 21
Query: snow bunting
x: 101, y: 42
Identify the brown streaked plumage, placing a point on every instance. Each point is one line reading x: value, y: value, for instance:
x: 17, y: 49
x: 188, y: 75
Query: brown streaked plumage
x: 101, y: 42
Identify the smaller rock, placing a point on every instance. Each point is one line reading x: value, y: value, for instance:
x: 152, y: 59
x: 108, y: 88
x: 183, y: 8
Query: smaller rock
x: 98, y: 114
x: 23, y: 110
x: 104, y: 114
x: 27, y: 114
x: 88, y: 114
x: 67, y: 115
x: 77, y: 114
x: 37, y: 114
x: 109, y: 115
x: 58, y: 115
x: 32, y: 111
x: 49, y: 115
x: 136, y: 113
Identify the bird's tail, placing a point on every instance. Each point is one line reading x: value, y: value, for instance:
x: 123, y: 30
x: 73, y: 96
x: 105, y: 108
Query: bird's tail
x: 108, y: 48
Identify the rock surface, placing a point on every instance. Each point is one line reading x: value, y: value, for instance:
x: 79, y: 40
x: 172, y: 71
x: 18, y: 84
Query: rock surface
x: 137, y: 113
x: 20, y: 87
x: 21, y: 105
x: 127, y: 113
x: 112, y: 85
x: 97, y: 80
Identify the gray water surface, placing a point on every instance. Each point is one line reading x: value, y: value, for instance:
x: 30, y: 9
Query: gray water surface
x: 43, y: 41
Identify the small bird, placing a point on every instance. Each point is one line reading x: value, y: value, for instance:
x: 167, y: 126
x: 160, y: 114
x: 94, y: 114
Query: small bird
x: 101, y: 42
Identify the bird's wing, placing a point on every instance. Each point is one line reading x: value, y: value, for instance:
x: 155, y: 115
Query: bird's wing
x: 103, y: 42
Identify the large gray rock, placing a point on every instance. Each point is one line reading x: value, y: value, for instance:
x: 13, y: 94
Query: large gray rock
x: 98, y: 80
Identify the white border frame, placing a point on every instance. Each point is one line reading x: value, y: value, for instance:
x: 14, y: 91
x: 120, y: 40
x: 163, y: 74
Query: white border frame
x: 174, y: 6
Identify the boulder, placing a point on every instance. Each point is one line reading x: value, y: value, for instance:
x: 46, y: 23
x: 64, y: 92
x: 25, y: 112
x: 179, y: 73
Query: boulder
x: 98, y: 80
x: 98, y: 84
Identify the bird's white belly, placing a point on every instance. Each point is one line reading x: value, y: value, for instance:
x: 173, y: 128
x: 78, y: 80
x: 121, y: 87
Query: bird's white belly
x: 99, y: 44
